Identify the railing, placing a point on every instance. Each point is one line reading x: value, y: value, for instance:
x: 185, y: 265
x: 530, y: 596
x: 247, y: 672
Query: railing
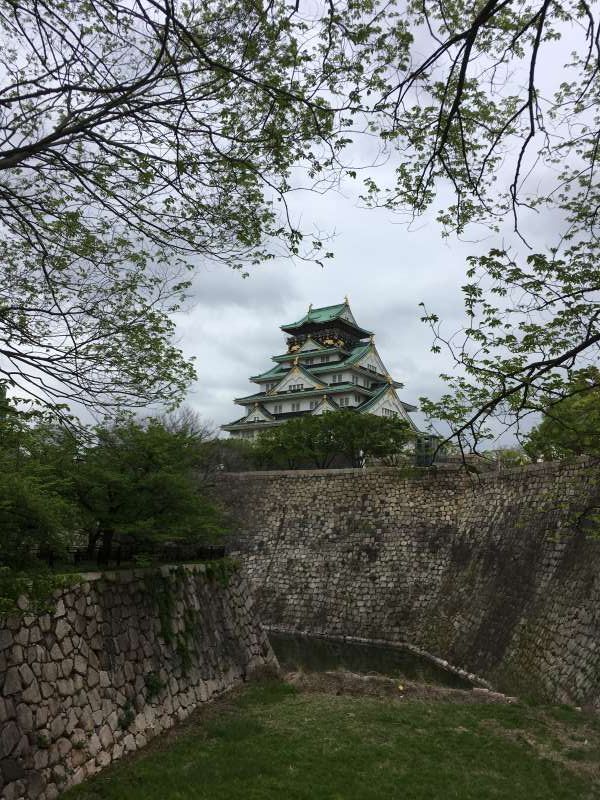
x: 140, y: 553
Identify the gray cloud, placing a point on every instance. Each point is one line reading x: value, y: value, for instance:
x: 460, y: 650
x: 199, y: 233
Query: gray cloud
x: 232, y: 326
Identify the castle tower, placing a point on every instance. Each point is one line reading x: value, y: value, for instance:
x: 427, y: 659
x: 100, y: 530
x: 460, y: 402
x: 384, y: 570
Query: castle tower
x: 330, y: 363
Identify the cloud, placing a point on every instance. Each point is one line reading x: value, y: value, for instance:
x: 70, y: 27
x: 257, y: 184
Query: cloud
x: 386, y: 269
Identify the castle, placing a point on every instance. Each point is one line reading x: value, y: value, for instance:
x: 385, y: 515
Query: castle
x: 330, y: 363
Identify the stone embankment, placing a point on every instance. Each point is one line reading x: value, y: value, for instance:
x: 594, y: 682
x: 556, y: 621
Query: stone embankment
x: 498, y: 574
x: 119, y: 658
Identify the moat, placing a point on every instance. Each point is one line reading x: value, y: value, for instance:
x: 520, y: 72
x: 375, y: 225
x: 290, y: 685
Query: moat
x: 317, y: 654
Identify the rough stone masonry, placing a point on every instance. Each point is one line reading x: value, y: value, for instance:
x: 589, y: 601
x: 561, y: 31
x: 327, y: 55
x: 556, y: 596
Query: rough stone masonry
x: 498, y: 574
x: 120, y: 658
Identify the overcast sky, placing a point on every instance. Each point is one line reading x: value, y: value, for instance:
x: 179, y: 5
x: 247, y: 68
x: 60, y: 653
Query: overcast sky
x: 232, y: 327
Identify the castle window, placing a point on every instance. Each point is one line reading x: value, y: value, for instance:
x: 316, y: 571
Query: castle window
x: 278, y: 409
x: 296, y: 406
x: 337, y: 379
x: 387, y: 412
x: 313, y: 404
x: 296, y: 387
x: 324, y: 359
x: 344, y: 401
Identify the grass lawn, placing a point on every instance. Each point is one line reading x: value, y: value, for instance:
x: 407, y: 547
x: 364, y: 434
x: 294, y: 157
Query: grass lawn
x: 271, y: 741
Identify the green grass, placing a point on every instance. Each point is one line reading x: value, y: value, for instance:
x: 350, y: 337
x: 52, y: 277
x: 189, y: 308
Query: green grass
x: 271, y: 742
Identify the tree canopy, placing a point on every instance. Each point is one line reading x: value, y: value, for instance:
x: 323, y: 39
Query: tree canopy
x: 140, y: 481
x: 571, y: 426
x: 500, y: 105
x: 137, y: 138
x: 38, y: 512
x: 317, y: 441
x: 61, y: 491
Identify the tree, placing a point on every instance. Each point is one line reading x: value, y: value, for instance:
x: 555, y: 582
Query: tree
x: 301, y: 441
x: 137, y: 138
x: 141, y: 136
x: 38, y: 514
x: 139, y: 481
x: 490, y: 110
x: 318, y: 440
x: 571, y: 426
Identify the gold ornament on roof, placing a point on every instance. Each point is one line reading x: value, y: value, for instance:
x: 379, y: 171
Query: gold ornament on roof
x: 309, y: 307
x: 346, y: 300
x: 296, y: 361
x: 372, y: 338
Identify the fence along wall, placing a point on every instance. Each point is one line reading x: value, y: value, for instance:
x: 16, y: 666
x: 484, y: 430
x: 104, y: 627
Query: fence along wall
x: 121, y: 658
x: 497, y: 574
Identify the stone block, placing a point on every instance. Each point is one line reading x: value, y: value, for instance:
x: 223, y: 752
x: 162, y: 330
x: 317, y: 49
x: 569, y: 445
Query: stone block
x: 58, y: 727
x: 12, y: 682
x: 50, y: 671
x: 26, y: 674
x: 25, y: 717
x: 6, y: 638
x: 94, y: 745
x: 10, y: 736
x: 32, y: 693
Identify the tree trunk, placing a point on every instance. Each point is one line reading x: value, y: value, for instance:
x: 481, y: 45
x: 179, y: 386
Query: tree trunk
x: 93, y: 537
x: 106, y: 546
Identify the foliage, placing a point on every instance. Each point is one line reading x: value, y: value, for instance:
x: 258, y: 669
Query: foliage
x: 154, y: 685
x: 228, y: 455
x: 517, y: 360
x: 507, y: 456
x: 127, y: 479
x: 221, y: 570
x: 35, y: 585
x: 500, y: 112
x: 37, y: 513
x: 155, y: 134
x: 317, y: 440
x: 138, y: 479
x: 139, y: 138
x: 127, y: 715
x: 317, y: 745
x: 571, y: 426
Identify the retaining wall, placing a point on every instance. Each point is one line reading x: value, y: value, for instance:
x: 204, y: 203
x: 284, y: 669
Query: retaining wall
x: 121, y: 657
x: 498, y: 574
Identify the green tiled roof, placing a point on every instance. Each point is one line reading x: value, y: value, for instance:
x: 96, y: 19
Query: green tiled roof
x: 274, y: 372
x: 379, y: 393
x: 239, y: 423
x: 356, y: 354
x: 368, y: 403
x: 334, y: 388
x: 322, y: 316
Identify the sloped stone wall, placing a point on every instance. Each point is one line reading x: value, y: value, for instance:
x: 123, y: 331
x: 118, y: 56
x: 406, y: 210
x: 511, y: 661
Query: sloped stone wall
x: 498, y: 574
x: 120, y: 658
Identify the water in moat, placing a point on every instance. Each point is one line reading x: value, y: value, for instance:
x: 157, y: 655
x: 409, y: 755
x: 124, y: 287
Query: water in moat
x: 316, y: 654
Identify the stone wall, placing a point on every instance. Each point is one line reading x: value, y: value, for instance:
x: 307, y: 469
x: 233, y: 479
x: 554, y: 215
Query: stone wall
x: 120, y: 658
x: 499, y: 574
